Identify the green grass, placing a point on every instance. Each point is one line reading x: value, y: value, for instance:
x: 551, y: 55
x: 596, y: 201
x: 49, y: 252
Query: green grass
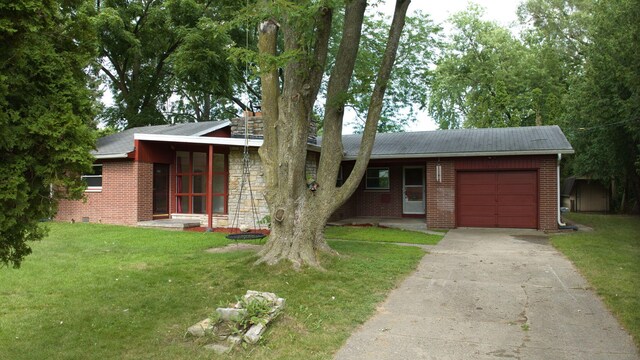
x: 609, y: 258
x: 107, y: 292
x: 377, y: 234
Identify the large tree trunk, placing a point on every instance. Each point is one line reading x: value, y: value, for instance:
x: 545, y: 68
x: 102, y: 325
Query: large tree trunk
x: 298, y: 214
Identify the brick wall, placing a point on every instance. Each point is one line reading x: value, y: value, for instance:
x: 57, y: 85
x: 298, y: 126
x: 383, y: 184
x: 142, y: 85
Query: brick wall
x: 125, y: 197
x: 381, y: 203
x: 548, y: 195
x: 441, y: 195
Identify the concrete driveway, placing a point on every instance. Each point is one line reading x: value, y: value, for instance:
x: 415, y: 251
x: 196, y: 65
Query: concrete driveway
x: 489, y: 294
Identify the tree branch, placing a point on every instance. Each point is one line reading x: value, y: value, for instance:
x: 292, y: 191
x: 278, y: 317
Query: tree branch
x: 339, y: 82
x: 375, y: 105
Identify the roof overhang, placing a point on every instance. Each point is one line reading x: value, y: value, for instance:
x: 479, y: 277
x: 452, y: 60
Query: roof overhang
x: 463, y: 154
x: 199, y: 140
x: 213, y: 128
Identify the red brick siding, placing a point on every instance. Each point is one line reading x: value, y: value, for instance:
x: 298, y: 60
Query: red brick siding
x: 548, y: 194
x: 124, y: 184
x: 381, y: 203
x: 441, y: 196
x: 545, y: 165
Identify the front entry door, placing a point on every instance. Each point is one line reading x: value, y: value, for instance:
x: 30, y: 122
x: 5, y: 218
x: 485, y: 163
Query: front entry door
x: 160, y: 191
x: 413, y: 190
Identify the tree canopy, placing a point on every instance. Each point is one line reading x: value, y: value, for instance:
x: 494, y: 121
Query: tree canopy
x: 573, y: 64
x: 46, y: 115
x: 152, y: 50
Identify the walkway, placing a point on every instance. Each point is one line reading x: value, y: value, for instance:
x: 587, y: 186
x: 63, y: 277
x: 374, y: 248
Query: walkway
x: 488, y: 294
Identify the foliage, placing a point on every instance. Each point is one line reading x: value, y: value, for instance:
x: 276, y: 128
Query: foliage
x: 378, y: 234
x: 46, y: 109
x: 604, y: 105
x: 608, y: 258
x: 411, y: 76
x: 481, y: 78
x: 130, y: 293
x: 151, y: 49
x: 574, y: 65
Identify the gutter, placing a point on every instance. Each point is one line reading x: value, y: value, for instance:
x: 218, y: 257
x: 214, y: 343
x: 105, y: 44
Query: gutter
x: 463, y: 154
x: 111, y: 156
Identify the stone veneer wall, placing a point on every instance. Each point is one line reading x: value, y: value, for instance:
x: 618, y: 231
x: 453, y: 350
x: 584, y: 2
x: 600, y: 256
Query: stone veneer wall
x: 258, y: 187
x: 256, y: 178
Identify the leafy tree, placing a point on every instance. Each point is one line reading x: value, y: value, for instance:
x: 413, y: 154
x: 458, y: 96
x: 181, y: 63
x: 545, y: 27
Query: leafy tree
x: 411, y: 76
x: 481, y: 76
x: 604, y: 104
x: 138, y: 42
x: 46, y: 115
x: 299, y: 214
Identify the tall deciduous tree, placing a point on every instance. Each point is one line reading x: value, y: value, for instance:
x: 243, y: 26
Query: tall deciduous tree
x: 481, y: 76
x: 46, y: 112
x: 411, y: 75
x: 298, y: 214
x: 138, y: 41
x: 604, y: 103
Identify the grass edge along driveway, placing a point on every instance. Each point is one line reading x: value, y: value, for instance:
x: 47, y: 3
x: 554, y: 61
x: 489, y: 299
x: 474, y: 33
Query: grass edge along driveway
x: 609, y: 257
x: 93, y: 291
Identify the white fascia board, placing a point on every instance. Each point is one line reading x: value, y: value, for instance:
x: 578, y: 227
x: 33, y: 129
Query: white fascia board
x: 110, y: 156
x: 464, y: 154
x: 199, y: 140
x: 214, y: 128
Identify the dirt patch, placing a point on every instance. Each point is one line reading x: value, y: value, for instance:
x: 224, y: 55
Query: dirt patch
x: 234, y: 247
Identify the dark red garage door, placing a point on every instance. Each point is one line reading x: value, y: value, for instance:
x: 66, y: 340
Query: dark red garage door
x: 504, y: 199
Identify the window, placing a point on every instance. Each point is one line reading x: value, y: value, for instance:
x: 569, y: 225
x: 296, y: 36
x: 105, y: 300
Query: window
x: 377, y: 179
x: 93, y: 179
x: 191, y: 182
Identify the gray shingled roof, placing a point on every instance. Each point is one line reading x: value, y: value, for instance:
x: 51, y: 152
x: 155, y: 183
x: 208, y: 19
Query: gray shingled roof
x: 462, y: 142
x: 122, y: 142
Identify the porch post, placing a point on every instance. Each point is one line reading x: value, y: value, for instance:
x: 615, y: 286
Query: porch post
x: 209, y: 188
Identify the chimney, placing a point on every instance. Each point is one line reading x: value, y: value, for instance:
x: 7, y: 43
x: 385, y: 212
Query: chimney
x: 255, y: 127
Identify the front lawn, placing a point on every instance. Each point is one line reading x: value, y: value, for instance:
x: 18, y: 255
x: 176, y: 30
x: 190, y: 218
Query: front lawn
x: 108, y: 292
x: 378, y: 234
x: 609, y: 257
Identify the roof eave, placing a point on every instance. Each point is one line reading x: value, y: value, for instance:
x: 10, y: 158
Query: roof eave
x: 213, y: 140
x: 213, y: 128
x: 465, y: 154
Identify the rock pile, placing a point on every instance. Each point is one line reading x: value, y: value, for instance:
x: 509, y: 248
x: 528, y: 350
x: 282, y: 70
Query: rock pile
x: 246, y: 321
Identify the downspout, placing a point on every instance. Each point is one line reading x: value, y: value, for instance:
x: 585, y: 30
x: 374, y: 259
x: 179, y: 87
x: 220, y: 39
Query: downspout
x: 560, y: 223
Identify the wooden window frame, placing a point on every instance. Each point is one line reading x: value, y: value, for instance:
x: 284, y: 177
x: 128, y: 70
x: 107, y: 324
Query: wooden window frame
x: 189, y: 176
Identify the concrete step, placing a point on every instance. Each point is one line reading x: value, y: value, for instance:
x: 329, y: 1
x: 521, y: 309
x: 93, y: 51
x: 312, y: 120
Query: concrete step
x: 172, y: 224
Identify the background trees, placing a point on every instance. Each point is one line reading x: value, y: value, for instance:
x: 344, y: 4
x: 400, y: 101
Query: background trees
x: 572, y: 63
x: 46, y: 112
x: 411, y: 77
x: 151, y: 50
